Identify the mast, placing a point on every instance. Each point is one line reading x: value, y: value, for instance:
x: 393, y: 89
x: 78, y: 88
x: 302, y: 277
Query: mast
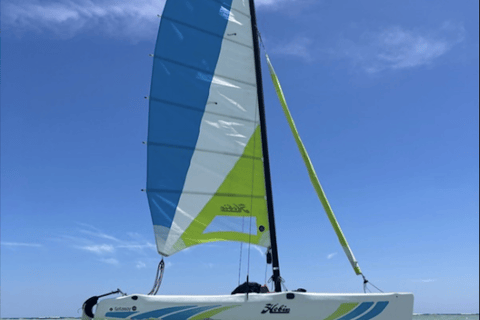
x: 268, y: 184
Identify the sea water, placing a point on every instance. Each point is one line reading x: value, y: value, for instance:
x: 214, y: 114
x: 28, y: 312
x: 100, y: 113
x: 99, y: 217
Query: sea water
x: 415, y: 317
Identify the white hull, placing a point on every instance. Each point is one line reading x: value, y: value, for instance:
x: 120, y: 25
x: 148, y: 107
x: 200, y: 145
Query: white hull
x: 285, y: 305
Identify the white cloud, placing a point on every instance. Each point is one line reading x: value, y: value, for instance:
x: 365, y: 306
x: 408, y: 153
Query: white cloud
x: 122, y: 18
x: 99, y: 248
x: 140, y: 265
x: 396, y: 48
x: 135, y: 20
x: 273, y: 4
x: 97, y: 233
x: 136, y: 247
x: 111, y: 261
x: 331, y: 255
x: 299, y: 47
x: 21, y: 244
x: 425, y: 280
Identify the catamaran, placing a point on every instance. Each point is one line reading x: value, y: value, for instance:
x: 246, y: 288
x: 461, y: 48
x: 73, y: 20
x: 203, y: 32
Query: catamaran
x: 208, y: 172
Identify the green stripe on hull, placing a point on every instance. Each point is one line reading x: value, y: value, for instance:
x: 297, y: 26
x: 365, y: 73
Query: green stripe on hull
x: 342, y: 310
x: 211, y: 313
x: 246, y: 178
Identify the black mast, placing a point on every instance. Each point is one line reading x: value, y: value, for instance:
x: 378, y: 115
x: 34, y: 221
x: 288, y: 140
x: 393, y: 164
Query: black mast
x: 268, y: 183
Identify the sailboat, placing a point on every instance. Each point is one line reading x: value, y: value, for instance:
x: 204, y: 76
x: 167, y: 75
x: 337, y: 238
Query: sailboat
x: 208, y: 172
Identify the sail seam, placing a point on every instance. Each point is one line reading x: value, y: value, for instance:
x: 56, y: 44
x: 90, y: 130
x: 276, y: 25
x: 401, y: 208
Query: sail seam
x: 207, y: 32
x: 159, y: 144
x: 201, y: 111
x: 204, y: 71
x: 232, y: 195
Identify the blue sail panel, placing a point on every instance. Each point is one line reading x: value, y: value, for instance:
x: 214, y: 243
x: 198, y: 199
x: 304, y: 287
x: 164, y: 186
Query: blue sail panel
x: 186, y: 54
x: 205, y: 165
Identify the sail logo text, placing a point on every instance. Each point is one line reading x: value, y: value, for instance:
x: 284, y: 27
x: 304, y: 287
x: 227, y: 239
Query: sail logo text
x: 274, y: 308
x: 124, y: 309
x: 235, y: 208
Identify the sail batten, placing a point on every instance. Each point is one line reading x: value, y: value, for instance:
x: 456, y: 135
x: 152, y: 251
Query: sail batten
x: 204, y: 111
x: 232, y: 195
x: 228, y: 37
x: 204, y: 71
x: 238, y: 155
x: 204, y: 141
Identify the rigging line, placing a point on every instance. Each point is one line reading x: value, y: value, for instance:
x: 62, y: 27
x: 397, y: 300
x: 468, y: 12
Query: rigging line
x: 241, y: 253
x: 179, y: 105
x: 251, y: 202
x: 158, y: 278
x: 366, y: 282
x: 253, y: 184
x: 266, y: 270
x: 261, y: 40
x: 176, y: 146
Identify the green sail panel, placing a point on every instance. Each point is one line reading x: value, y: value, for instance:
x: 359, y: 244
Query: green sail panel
x: 241, y: 195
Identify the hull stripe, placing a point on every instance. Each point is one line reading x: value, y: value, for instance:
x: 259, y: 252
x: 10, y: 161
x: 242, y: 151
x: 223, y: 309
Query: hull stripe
x: 342, y: 310
x: 121, y: 315
x: 184, y: 315
x: 379, y: 307
x: 361, y: 309
x: 159, y: 313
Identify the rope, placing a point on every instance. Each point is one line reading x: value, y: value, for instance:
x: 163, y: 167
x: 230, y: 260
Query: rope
x: 158, y: 278
x: 366, y: 282
x: 261, y: 40
x: 266, y: 270
x: 241, y: 253
x: 251, y: 198
x: 282, y: 281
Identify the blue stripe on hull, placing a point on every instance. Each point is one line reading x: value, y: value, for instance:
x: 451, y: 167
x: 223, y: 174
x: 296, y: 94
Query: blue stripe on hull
x: 362, y: 308
x: 188, y: 46
x: 379, y: 307
x: 159, y: 313
x: 119, y: 315
x: 184, y: 315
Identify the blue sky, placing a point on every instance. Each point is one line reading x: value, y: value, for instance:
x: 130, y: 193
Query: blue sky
x: 385, y: 97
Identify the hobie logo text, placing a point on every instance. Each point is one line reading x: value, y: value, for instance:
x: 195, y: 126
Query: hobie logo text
x: 235, y: 208
x: 274, y: 308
